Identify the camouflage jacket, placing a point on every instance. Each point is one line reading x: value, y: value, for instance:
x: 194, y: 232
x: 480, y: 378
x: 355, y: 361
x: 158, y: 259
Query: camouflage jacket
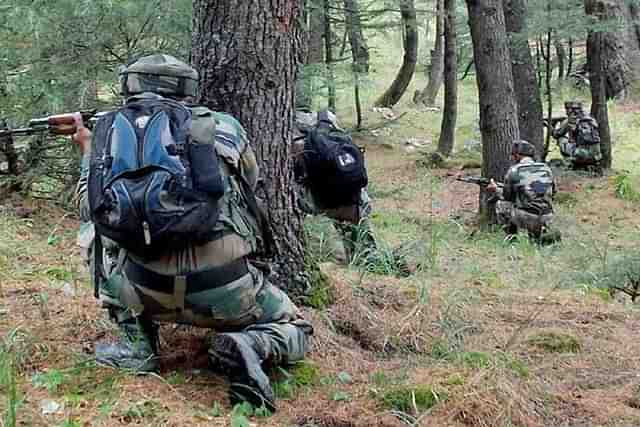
x: 529, y: 185
x: 239, y: 228
x: 567, y: 129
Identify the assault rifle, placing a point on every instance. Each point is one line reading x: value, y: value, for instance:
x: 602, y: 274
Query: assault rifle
x: 59, y: 124
x: 554, y: 121
x: 478, y: 180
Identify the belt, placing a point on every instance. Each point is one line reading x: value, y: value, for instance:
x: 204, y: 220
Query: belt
x: 214, y: 277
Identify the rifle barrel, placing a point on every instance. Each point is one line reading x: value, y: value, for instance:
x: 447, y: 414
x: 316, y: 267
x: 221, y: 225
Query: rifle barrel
x: 22, y: 131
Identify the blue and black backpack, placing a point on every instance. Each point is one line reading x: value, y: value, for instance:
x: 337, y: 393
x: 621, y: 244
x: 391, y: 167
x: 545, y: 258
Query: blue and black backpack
x: 150, y: 187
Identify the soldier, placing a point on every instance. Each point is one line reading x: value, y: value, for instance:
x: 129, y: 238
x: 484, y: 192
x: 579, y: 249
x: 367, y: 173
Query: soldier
x: 578, y: 137
x: 210, y: 284
x: 525, y: 197
x: 352, y: 220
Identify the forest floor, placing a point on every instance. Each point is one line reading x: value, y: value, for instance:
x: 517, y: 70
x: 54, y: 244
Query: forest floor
x: 484, y: 333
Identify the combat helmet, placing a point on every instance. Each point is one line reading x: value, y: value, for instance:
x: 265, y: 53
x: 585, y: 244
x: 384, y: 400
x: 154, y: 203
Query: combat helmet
x: 161, y: 74
x: 523, y: 148
x: 574, y: 106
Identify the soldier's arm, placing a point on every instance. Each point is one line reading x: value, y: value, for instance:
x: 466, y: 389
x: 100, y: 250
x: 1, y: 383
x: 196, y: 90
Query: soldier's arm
x: 561, y: 130
x: 83, y: 138
x: 248, y: 163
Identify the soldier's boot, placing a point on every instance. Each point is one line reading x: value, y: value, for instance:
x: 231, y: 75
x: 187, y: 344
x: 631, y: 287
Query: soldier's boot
x: 136, y: 350
x: 238, y: 356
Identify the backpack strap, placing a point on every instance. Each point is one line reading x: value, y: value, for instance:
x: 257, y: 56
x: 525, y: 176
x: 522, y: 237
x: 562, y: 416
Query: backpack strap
x: 98, y: 267
x: 324, y: 119
x: 261, y: 218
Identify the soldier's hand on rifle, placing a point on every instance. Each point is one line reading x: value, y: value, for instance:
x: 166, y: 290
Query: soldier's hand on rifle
x: 492, y: 187
x: 82, y: 136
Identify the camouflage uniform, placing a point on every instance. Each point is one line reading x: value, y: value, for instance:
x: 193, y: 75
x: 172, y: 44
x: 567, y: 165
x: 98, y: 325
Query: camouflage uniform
x: 352, y: 221
x: 525, y: 198
x: 565, y: 134
x: 258, y: 313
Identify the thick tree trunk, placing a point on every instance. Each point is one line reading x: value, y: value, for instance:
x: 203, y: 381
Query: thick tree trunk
x: 561, y: 55
x: 524, y: 75
x: 450, y: 112
x: 247, y: 55
x: 405, y: 74
x: 498, y: 108
x: 359, y: 49
x: 435, y: 76
x: 621, y: 47
x: 596, y: 48
x: 328, y: 58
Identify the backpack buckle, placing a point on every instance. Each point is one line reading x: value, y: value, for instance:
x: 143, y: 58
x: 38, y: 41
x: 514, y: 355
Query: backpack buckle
x: 175, y: 149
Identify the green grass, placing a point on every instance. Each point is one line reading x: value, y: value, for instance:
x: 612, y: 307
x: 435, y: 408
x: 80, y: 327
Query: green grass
x: 412, y: 399
x: 555, y: 342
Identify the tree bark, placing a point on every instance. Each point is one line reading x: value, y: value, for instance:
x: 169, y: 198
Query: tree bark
x: 315, y: 31
x: 8, y: 150
x: 359, y: 49
x: 524, y: 75
x: 620, y: 46
x: 328, y: 58
x: 405, y: 74
x: 447, y: 137
x: 435, y: 74
x: 561, y: 54
x: 247, y: 55
x: 570, y: 61
x: 498, y: 108
x: 598, y: 74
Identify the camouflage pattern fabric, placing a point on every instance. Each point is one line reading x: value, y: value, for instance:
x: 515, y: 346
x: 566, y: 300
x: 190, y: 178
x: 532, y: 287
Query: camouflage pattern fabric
x: 352, y: 221
x: 565, y: 134
x: 527, y: 197
x: 250, y: 303
x: 517, y: 219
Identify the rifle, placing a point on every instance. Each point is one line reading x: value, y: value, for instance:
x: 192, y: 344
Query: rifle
x: 59, y: 124
x: 478, y: 180
x: 554, y: 121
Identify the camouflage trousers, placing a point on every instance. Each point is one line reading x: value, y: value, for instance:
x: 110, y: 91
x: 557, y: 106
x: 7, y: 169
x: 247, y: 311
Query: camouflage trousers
x: 514, y: 219
x: 353, y: 221
x: 580, y: 156
x: 249, y: 304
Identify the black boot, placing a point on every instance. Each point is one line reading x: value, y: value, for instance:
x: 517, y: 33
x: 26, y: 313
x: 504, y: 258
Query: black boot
x: 236, y: 355
x: 136, y: 349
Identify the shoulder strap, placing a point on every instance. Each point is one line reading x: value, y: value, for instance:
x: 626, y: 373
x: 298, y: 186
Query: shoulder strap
x: 263, y: 222
x: 324, y: 119
x: 98, y: 268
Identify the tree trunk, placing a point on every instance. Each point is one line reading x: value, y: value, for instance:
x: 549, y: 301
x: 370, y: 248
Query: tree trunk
x: 328, y: 58
x: 524, y: 75
x: 428, y: 95
x: 315, y: 32
x: 598, y: 73
x: 450, y: 112
x: 8, y: 150
x: 570, y: 62
x: 548, y: 92
x: 359, y: 49
x: 498, y: 108
x: 538, y: 63
x: 402, y: 80
x: 247, y: 55
x: 561, y: 55
x: 620, y: 48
